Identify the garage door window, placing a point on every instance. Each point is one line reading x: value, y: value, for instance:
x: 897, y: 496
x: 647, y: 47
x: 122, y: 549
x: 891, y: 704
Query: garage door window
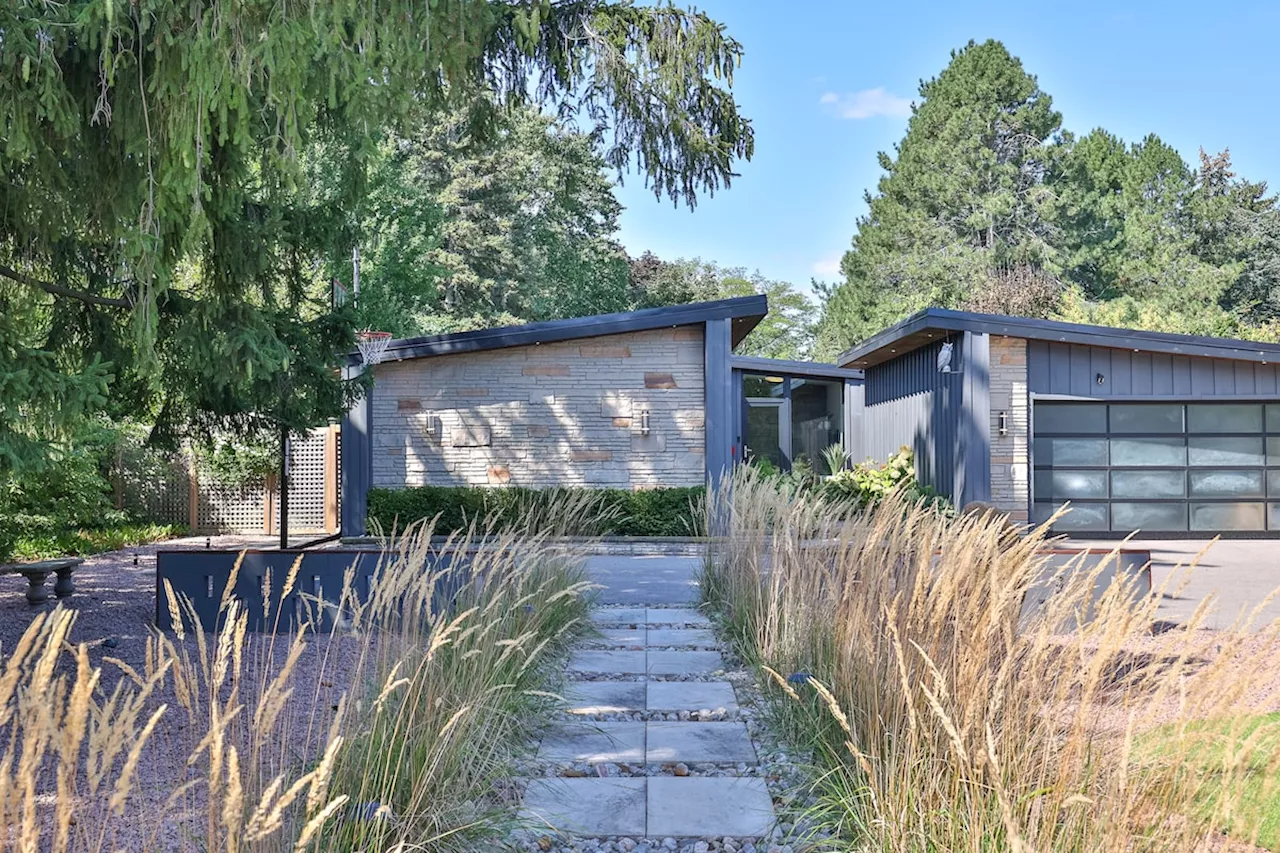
x: 1158, y: 467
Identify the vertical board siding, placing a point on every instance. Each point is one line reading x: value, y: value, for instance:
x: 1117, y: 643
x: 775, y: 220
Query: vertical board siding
x: 1072, y: 369
x: 908, y: 402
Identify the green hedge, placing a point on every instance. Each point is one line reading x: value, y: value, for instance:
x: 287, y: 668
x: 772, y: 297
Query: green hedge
x: 615, y: 512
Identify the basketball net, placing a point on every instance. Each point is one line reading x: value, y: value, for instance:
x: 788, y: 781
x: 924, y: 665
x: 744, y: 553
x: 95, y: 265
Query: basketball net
x: 373, y: 346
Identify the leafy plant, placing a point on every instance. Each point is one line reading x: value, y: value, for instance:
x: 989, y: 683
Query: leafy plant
x: 836, y: 457
x: 868, y: 483
x: 237, y: 463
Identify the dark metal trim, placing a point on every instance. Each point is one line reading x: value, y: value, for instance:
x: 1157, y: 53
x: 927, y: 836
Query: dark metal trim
x: 874, y: 349
x: 357, y: 462
x: 745, y: 312
x: 752, y: 364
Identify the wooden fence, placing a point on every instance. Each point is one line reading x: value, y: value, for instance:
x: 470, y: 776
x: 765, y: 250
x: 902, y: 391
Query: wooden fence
x: 177, y: 493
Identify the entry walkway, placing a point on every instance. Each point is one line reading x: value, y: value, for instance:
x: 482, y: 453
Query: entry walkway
x: 650, y: 748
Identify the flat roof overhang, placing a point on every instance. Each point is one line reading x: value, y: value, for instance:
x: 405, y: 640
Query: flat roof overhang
x: 924, y: 327
x: 745, y: 312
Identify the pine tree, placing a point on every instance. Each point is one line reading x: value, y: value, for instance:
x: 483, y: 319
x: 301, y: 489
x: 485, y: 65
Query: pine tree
x: 964, y: 195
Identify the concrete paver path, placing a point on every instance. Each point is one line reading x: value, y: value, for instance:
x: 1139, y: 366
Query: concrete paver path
x: 649, y: 662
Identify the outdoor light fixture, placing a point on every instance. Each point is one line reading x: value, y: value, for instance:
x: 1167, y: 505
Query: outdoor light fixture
x: 1004, y: 424
x: 1101, y: 379
x: 644, y: 421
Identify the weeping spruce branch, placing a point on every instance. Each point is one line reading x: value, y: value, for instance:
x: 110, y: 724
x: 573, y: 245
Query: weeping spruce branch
x: 169, y: 138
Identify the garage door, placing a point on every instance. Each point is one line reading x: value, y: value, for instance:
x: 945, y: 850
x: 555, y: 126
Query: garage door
x: 1196, y: 468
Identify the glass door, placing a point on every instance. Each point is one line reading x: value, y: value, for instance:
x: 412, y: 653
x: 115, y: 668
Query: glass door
x: 764, y: 438
x: 766, y: 420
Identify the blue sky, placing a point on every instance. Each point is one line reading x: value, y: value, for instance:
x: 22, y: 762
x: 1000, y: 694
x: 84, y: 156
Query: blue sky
x: 827, y: 85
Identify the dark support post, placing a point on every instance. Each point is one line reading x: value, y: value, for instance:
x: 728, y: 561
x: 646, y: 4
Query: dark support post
x: 719, y: 421
x: 284, y: 487
x: 973, y: 459
x: 357, y: 462
x: 718, y: 381
x: 854, y: 413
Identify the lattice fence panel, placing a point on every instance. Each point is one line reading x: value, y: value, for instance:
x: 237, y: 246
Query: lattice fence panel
x: 233, y: 508
x: 306, y: 485
x: 157, y: 490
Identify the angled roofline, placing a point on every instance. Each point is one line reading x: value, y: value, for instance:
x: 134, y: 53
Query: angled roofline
x: 820, y: 369
x: 745, y: 312
x: 880, y: 346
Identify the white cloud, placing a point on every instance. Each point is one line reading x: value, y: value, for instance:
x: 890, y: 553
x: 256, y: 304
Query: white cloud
x: 827, y: 267
x: 867, y: 103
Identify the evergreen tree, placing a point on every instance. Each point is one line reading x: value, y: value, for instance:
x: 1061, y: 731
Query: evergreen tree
x: 153, y: 183
x: 965, y: 195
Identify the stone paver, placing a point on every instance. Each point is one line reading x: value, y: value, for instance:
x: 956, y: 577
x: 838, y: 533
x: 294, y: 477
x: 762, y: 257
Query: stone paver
x: 619, y: 616
x: 647, y: 579
x: 704, y: 807
x: 723, y: 743
x: 676, y: 616
x: 684, y: 663
x: 623, y: 663
x: 690, y: 696
x: 652, y: 659
x: 605, y: 697
x: 621, y: 637
x: 614, y: 806
x: 700, y: 637
x: 594, y: 743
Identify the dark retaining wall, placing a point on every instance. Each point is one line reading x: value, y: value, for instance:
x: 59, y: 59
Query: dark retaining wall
x: 201, y: 576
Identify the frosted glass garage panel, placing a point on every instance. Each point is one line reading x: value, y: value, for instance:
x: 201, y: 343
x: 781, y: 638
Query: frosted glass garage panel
x: 1226, y: 516
x: 1060, y: 483
x: 1239, y: 417
x: 1148, y: 516
x: 1226, y: 484
x: 1071, y: 451
x: 1224, y: 450
x: 1273, y: 417
x: 1156, y: 452
x: 1079, y: 516
x: 1273, y: 484
x: 1146, y: 418
x: 1072, y: 417
x: 1149, y: 484
x: 1273, y: 450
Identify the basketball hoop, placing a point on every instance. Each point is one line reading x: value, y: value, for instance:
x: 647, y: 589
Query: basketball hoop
x: 373, y: 346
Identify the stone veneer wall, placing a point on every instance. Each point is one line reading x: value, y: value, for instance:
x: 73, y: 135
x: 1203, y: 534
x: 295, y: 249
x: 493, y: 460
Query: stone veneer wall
x: 1010, y: 453
x: 556, y: 414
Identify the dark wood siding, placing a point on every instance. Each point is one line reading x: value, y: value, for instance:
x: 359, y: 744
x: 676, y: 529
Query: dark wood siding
x: 1073, y: 370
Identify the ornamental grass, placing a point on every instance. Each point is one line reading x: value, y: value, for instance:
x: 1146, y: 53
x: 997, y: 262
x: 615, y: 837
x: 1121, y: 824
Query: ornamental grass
x: 937, y: 715
x: 396, y: 730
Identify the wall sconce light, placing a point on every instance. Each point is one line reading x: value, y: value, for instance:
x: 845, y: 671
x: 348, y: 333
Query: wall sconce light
x: 1004, y: 424
x: 644, y: 421
x: 1101, y: 379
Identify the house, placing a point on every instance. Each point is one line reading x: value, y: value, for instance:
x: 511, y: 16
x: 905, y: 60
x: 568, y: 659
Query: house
x: 1170, y: 434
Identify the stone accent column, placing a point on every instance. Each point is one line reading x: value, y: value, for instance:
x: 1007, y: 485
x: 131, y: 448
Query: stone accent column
x: 1010, y: 453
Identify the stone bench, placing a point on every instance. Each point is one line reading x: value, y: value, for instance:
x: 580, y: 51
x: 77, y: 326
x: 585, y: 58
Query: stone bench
x: 36, y: 574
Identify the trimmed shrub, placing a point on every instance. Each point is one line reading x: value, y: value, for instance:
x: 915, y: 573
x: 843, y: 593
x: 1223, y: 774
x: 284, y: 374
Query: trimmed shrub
x: 617, y: 512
